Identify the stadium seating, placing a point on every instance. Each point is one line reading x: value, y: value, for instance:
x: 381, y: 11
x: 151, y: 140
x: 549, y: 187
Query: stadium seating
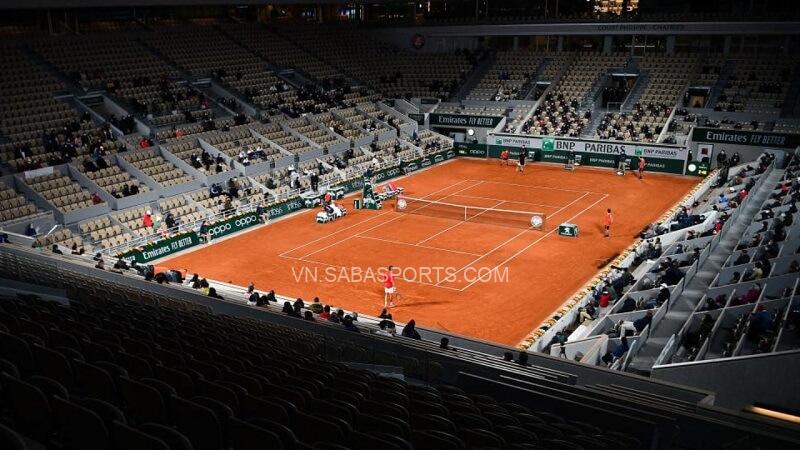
x: 14, y: 206
x: 510, y: 72
x: 103, y: 233
x: 114, y: 180
x: 152, y: 164
x: 61, y: 191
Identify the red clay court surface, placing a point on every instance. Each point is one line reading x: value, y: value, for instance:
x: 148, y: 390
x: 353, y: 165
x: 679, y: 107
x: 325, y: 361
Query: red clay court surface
x: 299, y: 258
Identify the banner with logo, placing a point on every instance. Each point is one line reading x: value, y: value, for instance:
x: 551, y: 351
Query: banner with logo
x: 285, y: 207
x: 417, y: 117
x: 232, y: 225
x: 742, y: 137
x: 387, y: 173
x: 427, y: 161
x: 470, y: 149
x: 162, y: 248
x: 462, y: 121
x: 351, y: 185
x: 514, y: 140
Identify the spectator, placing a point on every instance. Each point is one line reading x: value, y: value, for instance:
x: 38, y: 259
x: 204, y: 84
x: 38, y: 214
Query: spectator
x: 347, y: 321
x: 100, y: 264
x: 444, y: 344
x: 289, y: 310
x: 508, y: 356
x: 663, y: 295
x: 213, y: 293
x: 637, y: 326
x: 522, y: 358
x: 308, y: 316
x: 121, y: 264
x: 410, y: 330
x: 743, y: 258
x: 316, y: 306
x: 96, y: 199
x: 56, y: 250
x: 147, y: 219
x: 383, y: 329
x: 326, y: 313
x: 628, y: 305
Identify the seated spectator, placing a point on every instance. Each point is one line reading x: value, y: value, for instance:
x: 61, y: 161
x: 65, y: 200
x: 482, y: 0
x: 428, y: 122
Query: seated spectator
x: 636, y: 326
x: 347, y: 321
x: 628, y: 305
x: 213, y: 293
x: 743, y: 258
x: 316, y: 306
x: 309, y: 316
x: 56, y: 250
x: 289, y: 310
x: 410, y: 330
x: 383, y: 329
x: 326, y: 313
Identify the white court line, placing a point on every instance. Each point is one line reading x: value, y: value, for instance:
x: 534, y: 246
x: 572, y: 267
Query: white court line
x: 357, y: 224
x: 380, y: 224
x: 541, y: 187
x: 515, y: 236
x: 457, y: 224
x: 535, y: 242
x: 311, y: 261
x: 417, y: 245
x: 509, y: 201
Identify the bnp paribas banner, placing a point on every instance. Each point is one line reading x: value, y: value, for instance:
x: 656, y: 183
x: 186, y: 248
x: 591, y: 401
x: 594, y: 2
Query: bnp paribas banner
x: 162, y: 248
x: 232, y: 225
x: 742, y: 137
x: 660, y: 158
x: 462, y: 121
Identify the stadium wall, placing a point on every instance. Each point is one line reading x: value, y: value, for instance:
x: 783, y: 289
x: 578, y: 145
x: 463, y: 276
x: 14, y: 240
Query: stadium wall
x: 766, y: 379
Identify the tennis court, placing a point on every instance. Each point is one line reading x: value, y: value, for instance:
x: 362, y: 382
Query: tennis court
x: 492, y: 276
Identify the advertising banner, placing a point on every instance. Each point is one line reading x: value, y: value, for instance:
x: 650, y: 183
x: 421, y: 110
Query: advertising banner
x: 463, y: 121
x: 232, y: 225
x: 470, y: 149
x: 742, y: 137
x: 284, y: 208
x: 162, y: 248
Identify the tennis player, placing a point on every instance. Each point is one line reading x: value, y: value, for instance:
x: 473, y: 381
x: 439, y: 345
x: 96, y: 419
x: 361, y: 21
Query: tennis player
x: 607, y: 221
x: 504, y: 157
x: 642, y: 164
x: 389, y: 288
x: 521, y: 163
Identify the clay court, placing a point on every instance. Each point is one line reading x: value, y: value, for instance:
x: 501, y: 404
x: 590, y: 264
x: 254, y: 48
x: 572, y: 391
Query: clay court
x: 483, y: 280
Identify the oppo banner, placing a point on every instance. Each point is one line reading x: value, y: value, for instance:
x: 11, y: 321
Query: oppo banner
x: 232, y: 225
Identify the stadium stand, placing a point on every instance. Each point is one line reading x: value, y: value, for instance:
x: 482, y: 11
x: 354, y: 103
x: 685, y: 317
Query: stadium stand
x: 14, y: 206
x: 152, y: 164
x: 61, y: 191
x: 96, y: 352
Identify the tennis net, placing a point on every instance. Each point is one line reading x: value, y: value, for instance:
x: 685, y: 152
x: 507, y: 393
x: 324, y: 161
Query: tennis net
x: 466, y: 213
